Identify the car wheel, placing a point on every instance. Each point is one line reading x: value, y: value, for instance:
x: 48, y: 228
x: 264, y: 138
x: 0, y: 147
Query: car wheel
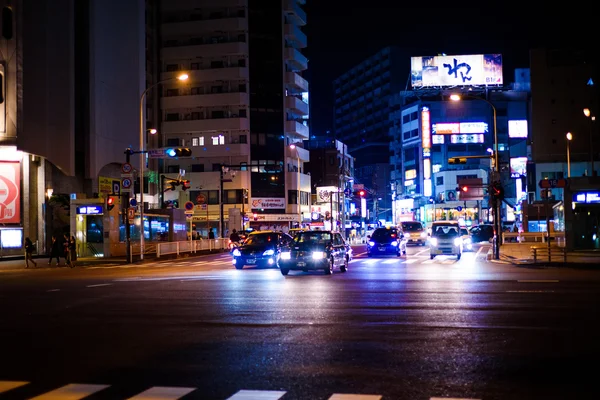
x: 239, y: 266
x: 458, y: 256
x: 369, y: 255
x: 285, y: 271
x: 329, y: 268
x: 344, y: 266
x: 431, y: 256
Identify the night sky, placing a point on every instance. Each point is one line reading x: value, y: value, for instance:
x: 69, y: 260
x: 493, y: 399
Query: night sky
x: 341, y: 33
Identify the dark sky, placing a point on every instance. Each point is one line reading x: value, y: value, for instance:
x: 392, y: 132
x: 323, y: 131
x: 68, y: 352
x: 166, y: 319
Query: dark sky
x: 341, y: 33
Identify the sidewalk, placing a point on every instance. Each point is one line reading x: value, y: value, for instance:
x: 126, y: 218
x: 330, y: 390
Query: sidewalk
x: 520, y: 254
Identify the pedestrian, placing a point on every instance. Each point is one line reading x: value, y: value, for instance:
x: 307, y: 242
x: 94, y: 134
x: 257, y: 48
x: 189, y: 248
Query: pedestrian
x: 73, y: 251
x: 66, y: 252
x: 55, y: 251
x: 29, y: 252
x: 211, y: 234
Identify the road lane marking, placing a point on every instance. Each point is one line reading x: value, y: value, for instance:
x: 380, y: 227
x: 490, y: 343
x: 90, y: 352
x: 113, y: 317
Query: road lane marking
x: 53, y: 290
x: 355, y: 397
x: 5, y: 386
x: 163, y: 393
x: 100, y: 284
x: 410, y: 260
x: 478, y: 251
x: 420, y: 252
x: 257, y: 395
x: 428, y: 262
x: 538, y: 281
x: 73, y: 391
x: 390, y: 261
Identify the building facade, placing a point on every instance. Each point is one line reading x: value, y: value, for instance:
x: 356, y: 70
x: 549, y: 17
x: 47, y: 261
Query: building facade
x: 243, y: 106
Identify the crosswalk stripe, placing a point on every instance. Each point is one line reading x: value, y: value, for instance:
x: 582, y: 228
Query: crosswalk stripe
x: 5, y: 386
x: 163, y: 393
x: 73, y: 391
x: 390, y: 261
x: 257, y: 395
x: 355, y: 397
x: 428, y: 262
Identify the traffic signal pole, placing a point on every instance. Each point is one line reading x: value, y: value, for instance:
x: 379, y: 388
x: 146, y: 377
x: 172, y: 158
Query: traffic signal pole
x: 124, y: 207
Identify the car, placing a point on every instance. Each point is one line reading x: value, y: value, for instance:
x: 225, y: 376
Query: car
x: 292, y: 232
x: 385, y: 241
x: 315, y: 250
x: 414, y: 233
x: 261, y: 248
x: 466, y: 238
x: 445, y: 239
x: 482, y: 233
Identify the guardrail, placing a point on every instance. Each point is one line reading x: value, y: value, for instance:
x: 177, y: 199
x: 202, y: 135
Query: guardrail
x: 546, y: 252
x: 190, y: 246
x: 540, y: 237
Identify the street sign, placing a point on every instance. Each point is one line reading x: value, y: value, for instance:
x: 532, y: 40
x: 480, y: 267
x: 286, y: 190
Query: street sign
x: 347, y: 192
x: 132, y: 202
x: 126, y: 183
x: 156, y: 153
x: 552, y: 183
x: 116, y: 187
x: 202, y: 207
x: 131, y: 214
x: 126, y: 168
x: 201, y: 199
x: 189, y: 206
x: 459, y: 208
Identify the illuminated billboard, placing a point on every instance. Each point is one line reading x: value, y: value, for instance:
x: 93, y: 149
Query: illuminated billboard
x: 464, y: 70
x: 518, y: 167
x: 453, y: 128
x: 517, y: 128
x: 465, y: 139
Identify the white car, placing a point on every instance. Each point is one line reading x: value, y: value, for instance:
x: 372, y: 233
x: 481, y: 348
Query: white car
x: 445, y: 239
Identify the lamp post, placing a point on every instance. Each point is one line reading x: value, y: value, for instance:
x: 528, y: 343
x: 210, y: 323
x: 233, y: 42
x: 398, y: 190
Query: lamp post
x: 181, y: 77
x: 588, y: 113
x: 569, y: 138
x: 497, y: 207
x: 298, y: 199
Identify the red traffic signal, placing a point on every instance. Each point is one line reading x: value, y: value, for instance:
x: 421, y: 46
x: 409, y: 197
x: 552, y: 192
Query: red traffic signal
x: 463, y: 188
x: 185, y: 185
x: 361, y: 193
x: 110, y: 203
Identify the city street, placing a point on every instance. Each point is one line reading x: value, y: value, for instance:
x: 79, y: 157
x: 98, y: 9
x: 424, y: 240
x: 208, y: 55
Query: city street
x: 392, y: 328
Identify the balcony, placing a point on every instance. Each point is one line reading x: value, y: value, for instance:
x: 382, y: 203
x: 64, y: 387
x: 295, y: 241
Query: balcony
x: 211, y: 75
x: 295, y: 83
x: 207, y: 50
x: 296, y: 129
x: 225, y: 150
x: 294, y: 36
x: 295, y: 60
x: 294, y: 12
x: 204, y: 100
x: 191, y: 28
x: 298, y: 152
x: 296, y: 106
x: 201, y: 125
x: 292, y: 178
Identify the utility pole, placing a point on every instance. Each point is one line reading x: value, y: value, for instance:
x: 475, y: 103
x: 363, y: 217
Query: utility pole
x: 124, y: 208
x: 221, y: 198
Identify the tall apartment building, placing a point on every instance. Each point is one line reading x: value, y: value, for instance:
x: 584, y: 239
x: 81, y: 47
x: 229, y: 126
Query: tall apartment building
x: 362, y: 115
x: 243, y: 106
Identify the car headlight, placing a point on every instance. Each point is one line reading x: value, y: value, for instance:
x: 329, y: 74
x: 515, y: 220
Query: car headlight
x: 433, y: 241
x: 423, y: 234
x: 286, y: 255
x: 269, y: 252
x: 394, y: 243
x: 407, y: 235
x: 457, y: 241
x: 317, y: 255
x: 371, y: 243
x: 237, y: 253
x: 467, y: 240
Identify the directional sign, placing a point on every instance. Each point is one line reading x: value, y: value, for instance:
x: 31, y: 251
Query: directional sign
x: 126, y: 168
x: 552, y: 183
x: 189, y: 206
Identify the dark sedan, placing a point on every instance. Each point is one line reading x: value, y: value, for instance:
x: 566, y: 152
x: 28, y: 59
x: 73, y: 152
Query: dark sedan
x: 261, y: 248
x: 315, y: 250
x: 386, y: 241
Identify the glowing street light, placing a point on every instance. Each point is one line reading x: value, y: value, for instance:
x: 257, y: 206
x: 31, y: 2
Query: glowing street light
x: 569, y: 138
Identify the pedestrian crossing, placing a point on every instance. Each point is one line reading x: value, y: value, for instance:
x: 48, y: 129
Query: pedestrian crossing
x: 77, y: 391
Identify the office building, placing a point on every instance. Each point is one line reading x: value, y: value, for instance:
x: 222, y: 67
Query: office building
x: 244, y: 106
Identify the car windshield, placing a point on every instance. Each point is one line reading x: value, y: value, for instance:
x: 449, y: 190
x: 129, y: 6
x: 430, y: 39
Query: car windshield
x: 260, y: 239
x: 384, y: 234
x: 312, y: 238
x: 412, y: 226
x: 464, y: 231
x: 444, y: 231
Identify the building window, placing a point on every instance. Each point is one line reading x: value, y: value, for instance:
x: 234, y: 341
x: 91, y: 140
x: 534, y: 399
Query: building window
x: 439, y: 180
x: 242, y: 113
x: 172, y: 92
x: 242, y: 88
x: 406, y: 118
x: 173, y: 169
x: 217, y: 114
x: 218, y: 140
x: 216, y: 167
x: 213, y: 196
x: 197, y: 90
x: 195, y: 66
x: 242, y: 37
x: 244, y: 139
x: 217, y: 64
x: 196, y: 115
x: 172, y: 117
x: 173, y: 142
x: 195, y: 141
x: 197, y: 167
x: 242, y: 62
x: 201, y: 141
x: 172, y: 67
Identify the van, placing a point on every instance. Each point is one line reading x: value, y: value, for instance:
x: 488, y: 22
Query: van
x: 445, y: 239
x: 414, y: 233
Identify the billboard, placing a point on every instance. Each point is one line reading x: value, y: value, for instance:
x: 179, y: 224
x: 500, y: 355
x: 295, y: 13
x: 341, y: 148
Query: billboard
x: 463, y: 70
x: 517, y: 128
x: 451, y: 128
x: 518, y: 167
x: 10, y: 192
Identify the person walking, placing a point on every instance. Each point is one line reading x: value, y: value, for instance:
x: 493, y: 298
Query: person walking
x: 73, y: 252
x: 55, y: 251
x: 29, y: 253
x: 211, y: 234
x: 66, y: 252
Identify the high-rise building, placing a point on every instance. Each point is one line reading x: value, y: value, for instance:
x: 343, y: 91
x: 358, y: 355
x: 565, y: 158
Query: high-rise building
x: 362, y: 116
x: 243, y: 106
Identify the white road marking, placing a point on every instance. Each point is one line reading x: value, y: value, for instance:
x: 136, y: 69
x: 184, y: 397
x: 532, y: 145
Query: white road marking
x: 163, y: 393
x: 478, y: 251
x: 421, y: 252
x: 394, y: 261
x: 99, y: 284
x: 73, y: 391
x: 410, y: 260
x: 257, y: 395
x: 428, y: 261
x: 53, y: 290
x: 538, y: 281
x: 355, y: 397
x: 5, y: 386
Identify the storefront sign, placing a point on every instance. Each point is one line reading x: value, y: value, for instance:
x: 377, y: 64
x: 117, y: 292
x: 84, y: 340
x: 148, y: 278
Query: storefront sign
x: 278, y: 217
x: 89, y: 210
x: 10, y: 193
x: 588, y: 197
x: 268, y: 203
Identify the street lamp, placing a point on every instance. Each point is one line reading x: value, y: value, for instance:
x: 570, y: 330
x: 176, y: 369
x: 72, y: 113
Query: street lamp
x: 569, y: 138
x: 588, y: 113
x: 182, y: 77
x: 293, y: 147
x: 497, y: 222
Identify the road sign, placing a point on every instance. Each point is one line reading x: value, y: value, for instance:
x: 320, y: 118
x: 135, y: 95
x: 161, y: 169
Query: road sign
x: 189, y: 206
x: 116, y: 187
x: 126, y: 168
x: 131, y: 214
x: 202, y: 207
x: 552, y: 183
x: 132, y: 202
x: 347, y: 192
x: 126, y: 183
x: 201, y: 199
x: 459, y: 208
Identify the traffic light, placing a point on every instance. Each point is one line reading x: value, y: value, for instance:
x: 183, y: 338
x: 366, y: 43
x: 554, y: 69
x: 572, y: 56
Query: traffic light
x: 463, y: 188
x: 497, y: 191
x: 255, y: 216
x: 110, y: 203
x: 457, y: 160
x: 360, y: 193
x: 175, y: 152
x: 185, y: 185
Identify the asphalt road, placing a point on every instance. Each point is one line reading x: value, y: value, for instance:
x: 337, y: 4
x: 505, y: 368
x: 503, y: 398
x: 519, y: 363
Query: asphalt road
x: 394, y: 328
